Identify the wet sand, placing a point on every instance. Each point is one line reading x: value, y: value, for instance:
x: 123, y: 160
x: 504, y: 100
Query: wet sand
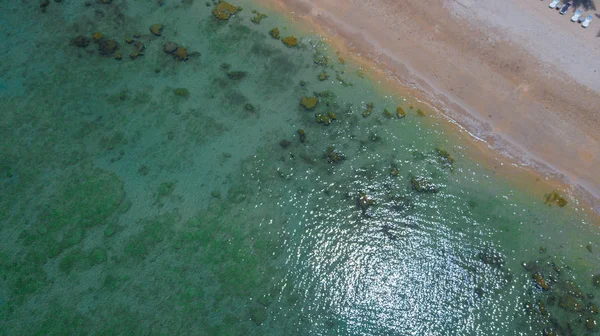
x: 495, y: 70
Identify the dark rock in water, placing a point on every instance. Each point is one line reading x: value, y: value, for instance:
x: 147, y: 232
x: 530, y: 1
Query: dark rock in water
x: 491, y: 258
x: 573, y: 290
x: 570, y: 304
x: 334, y: 156
x: 170, y: 47
x: 258, y: 314
x: 591, y: 324
x: 302, y: 135
x: 108, y: 47
x: 388, y: 232
x: 422, y: 184
x: 401, y: 203
x: 284, y: 143
x: 596, y: 280
x: 81, y: 41
x: 540, y: 281
x: 238, y: 193
x: 236, y: 75
x: 364, y: 202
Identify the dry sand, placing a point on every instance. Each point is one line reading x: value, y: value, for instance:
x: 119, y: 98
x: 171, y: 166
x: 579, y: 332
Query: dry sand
x: 514, y: 73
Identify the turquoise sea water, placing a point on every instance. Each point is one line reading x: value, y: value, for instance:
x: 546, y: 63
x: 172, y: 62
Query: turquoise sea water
x: 153, y: 196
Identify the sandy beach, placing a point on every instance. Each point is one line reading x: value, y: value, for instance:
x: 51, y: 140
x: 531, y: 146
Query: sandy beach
x: 515, y: 74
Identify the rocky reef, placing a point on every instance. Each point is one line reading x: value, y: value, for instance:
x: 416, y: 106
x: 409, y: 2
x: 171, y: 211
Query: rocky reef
x: 224, y: 10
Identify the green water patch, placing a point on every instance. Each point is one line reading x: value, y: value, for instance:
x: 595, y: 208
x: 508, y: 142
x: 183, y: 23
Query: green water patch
x: 85, y: 198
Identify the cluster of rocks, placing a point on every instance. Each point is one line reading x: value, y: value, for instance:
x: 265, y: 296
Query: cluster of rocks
x: 558, y: 295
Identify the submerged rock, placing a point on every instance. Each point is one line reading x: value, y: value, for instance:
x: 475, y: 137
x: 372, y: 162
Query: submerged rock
x: 236, y: 75
x: 170, y: 47
x: 445, y: 157
x: 107, y: 47
x: 182, y: 92
x: 302, y: 135
x: 224, y: 10
x: 570, y: 304
x: 400, y: 113
x: 325, y: 119
x: 290, y: 41
x: 368, y: 110
x: 540, y: 281
x: 323, y: 76
x: 181, y: 54
x: 274, y: 33
x: 156, y: 29
x: 364, y: 201
x: 596, y: 280
x: 422, y: 184
x: 81, y: 41
x: 258, y: 17
x: 334, y: 156
x: 309, y: 103
x: 555, y: 197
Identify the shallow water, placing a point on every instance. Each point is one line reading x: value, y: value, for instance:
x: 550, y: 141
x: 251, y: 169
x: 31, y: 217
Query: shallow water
x: 129, y: 209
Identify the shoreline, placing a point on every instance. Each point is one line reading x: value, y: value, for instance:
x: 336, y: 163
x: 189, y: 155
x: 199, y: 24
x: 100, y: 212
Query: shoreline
x: 493, y: 143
